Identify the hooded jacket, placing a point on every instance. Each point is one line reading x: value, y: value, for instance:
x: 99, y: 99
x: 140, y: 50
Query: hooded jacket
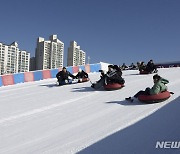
x: 159, y: 87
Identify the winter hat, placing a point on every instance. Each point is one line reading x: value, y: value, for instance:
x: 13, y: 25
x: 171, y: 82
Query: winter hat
x: 80, y: 70
x: 116, y: 67
x: 156, y: 76
x: 110, y: 66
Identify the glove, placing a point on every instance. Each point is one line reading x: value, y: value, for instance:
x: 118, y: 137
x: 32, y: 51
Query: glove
x: 74, y: 77
x: 66, y: 81
x: 147, y: 89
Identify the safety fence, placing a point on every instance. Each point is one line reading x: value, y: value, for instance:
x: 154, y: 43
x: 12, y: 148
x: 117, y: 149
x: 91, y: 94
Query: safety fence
x: 12, y: 79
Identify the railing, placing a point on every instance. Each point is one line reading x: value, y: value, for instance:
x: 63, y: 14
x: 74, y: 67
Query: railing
x: 31, y: 76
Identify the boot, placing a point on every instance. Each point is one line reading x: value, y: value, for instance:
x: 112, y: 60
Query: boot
x: 129, y: 99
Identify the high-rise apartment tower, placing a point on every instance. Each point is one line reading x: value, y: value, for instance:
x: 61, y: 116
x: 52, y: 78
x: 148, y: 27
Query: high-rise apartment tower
x: 76, y: 56
x: 49, y: 54
x: 12, y: 60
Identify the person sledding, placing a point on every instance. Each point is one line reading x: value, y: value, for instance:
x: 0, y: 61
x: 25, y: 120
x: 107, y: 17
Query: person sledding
x: 142, y: 67
x: 158, y: 87
x: 124, y: 66
x: 63, y: 77
x: 115, y: 76
x: 151, y: 67
x: 82, y: 76
x: 132, y: 67
x: 112, y: 76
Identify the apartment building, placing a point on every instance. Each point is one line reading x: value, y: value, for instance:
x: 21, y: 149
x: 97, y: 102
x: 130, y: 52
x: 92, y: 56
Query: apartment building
x: 76, y: 56
x: 23, y: 61
x: 12, y: 60
x: 32, y: 64
x: 49, y: 54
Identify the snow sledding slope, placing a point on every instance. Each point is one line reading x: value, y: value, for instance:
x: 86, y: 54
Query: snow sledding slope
x: 40, y: 117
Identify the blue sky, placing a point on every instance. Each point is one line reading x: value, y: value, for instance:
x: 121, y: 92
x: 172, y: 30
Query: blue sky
x: 114, y: 31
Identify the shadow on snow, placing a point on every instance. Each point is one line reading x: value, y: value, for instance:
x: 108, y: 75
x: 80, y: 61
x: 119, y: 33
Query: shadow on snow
x: 125, y: 102
x: 141, y: 137
x: 86, y: 89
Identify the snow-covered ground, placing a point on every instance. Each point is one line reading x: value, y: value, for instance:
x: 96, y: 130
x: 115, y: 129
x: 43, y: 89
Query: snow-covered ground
x: 40, y: 117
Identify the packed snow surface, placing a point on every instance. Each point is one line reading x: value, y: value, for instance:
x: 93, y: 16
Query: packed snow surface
x: 40, y: 117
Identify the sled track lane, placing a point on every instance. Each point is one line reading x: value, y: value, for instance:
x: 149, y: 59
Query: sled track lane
x: 43, y: 109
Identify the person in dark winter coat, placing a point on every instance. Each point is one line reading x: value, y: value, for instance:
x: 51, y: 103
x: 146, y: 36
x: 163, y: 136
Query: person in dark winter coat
x: 63, y: 76
x: 115, y: 76
x: 151, y: 68
x: 132, y: 66
x: 124, y: 66
x: 158, y: 87
x: 81, y: 74
x: 112, y: 76
x: 142, y: 67
x: 100, y: 83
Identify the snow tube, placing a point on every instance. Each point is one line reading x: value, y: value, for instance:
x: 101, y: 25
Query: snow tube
x: 83, y: 80
x: 64, y: 83
x: 143, y: 72
x: 154, y: 98
x: 113, y: 86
